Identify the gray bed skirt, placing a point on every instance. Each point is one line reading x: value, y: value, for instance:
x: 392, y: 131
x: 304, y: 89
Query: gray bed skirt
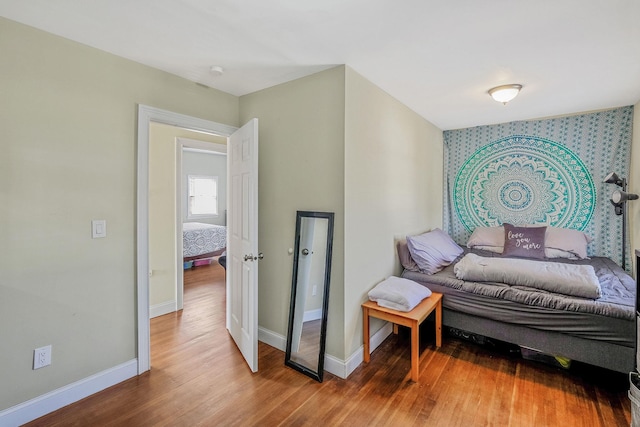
x: 619, y: 358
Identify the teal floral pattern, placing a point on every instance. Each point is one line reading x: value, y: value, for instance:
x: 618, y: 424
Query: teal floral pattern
x: 524, y: 180
x: 540, y: 171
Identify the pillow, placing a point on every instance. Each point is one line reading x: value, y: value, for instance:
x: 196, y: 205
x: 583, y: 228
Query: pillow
x: 487, y: 238
x: 405, y: 257
x: 524, y: 241
x: 433, y: 251
x: 573, y: 242
x: 559, y: 242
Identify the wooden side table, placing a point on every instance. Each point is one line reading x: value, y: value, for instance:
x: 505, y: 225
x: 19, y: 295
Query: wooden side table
x: 411, y: 319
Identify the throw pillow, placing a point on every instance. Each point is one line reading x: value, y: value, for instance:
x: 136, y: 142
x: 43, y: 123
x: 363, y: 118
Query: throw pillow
x: 525, y: 242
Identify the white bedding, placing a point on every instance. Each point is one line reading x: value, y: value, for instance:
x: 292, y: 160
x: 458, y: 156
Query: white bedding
x: 567, y: 279
x: 199, y: 238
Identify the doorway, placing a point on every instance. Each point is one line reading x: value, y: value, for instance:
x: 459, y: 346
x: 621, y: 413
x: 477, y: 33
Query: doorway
x: 147, y: 115
x: 173, y: 148
x: 204, y: 159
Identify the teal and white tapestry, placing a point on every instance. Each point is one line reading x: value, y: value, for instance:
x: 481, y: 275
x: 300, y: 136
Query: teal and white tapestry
x: 539, y: 172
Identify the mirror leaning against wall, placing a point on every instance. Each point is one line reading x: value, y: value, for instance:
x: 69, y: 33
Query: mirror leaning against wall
x: 306, y: 335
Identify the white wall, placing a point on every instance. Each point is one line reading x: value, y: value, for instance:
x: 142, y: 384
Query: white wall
x: 68, y: 118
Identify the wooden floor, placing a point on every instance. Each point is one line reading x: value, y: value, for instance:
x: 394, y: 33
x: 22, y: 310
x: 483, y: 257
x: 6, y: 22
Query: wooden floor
x: 198, y: 378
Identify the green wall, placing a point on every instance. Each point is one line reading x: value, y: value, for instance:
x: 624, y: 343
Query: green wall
x: 68, y: 116
x: 301, y: 167
x: 393, y: 188
x: 335, y: 142
x: 70, y: 157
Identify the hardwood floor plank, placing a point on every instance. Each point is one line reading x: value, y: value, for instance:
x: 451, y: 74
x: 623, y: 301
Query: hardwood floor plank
x: 199, y: 378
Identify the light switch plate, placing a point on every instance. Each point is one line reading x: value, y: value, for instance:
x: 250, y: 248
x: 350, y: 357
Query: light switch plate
x: 99, y: 228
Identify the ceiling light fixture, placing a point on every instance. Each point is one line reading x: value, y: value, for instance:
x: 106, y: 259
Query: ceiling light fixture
x: 216, y: 70
x: 505, y: 93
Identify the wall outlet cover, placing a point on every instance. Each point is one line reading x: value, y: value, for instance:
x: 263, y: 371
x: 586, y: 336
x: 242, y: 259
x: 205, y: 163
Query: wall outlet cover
x: 42, y: 357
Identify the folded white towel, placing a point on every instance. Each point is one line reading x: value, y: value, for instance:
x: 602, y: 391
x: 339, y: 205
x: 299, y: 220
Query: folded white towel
x: 398, y: 293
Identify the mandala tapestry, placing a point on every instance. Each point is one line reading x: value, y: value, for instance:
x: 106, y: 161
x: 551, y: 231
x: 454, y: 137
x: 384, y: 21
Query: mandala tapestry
x: 524, y: 180
x: 540, y: 172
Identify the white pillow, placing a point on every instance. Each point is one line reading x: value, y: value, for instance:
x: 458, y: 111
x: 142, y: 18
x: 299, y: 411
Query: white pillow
x: 487, y: 237
x: 433, y: 251
x: 573, y: 242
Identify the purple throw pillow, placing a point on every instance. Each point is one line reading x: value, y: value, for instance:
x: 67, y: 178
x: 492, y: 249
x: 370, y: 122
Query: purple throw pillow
x: 433, y: 251
x: 527, y: 242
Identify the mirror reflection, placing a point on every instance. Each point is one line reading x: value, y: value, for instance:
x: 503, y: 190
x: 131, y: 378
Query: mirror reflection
x: 309, y: 293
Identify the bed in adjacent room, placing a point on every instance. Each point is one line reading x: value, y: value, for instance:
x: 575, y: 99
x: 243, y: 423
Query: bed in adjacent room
x: 562, y: 302
x: 202, y: 240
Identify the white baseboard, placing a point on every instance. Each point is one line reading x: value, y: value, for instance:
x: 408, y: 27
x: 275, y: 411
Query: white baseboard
x: 332, y: 364
x: 56, y: 399
x: 273, y: 339
x: 357, y: 357
x: 162, y: 309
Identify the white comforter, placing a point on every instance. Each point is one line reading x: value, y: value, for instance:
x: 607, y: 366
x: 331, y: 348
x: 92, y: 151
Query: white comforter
x: 568, y: 279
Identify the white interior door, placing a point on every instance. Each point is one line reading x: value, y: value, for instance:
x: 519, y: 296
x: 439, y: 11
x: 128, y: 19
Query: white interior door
x: 242, y: 245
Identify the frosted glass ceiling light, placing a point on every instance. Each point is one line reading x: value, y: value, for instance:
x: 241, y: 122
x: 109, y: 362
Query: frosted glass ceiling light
x: 505, y: 93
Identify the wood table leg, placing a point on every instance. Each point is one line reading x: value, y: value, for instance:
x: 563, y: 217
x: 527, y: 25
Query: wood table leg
x: 365, y: 333
x: 439, y: 324
x: 415, y: 350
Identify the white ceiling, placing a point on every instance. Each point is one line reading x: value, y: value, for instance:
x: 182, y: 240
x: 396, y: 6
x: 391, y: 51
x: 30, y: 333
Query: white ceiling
x: 438, y: 57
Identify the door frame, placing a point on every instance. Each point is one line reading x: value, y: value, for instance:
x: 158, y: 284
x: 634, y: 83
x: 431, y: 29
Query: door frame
x: 146, y: 115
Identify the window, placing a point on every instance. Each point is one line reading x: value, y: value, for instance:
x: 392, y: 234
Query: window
x: 202, y: 198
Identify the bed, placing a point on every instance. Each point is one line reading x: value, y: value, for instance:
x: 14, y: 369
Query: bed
x: 599, y: 331
x: 200, y: 240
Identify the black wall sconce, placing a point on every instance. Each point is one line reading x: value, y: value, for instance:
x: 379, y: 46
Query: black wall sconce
x: 619, y: 200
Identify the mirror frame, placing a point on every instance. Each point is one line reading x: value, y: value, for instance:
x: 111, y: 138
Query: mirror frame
x: 318, y: 373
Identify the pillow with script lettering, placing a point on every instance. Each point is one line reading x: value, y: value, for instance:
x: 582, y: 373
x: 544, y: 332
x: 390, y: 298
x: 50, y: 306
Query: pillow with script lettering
x: 526, y: 242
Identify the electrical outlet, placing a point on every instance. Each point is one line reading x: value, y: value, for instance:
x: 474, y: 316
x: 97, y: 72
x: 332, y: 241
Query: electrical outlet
x: 42, y: 357
x: 314, y: 290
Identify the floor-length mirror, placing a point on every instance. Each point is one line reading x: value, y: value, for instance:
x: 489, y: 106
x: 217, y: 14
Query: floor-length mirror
x: 306, y: 336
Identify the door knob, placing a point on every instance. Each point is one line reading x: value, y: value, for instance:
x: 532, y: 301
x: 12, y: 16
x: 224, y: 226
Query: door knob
x: 305, y: 251
x: 250, y: 257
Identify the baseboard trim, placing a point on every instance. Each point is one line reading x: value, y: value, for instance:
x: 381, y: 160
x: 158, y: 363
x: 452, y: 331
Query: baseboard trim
x: 338, y: 367
x: 162, y: 309
x: 272, y: 338
x: 357, y: 357
x: 56, y: 399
